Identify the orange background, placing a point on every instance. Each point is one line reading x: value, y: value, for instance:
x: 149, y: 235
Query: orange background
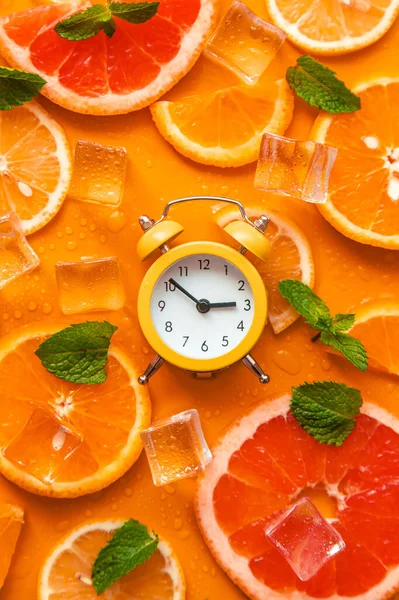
x: 347, y: 274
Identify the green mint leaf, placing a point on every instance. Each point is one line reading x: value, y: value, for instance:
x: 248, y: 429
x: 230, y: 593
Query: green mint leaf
x: 350, y: 347
x: 130, y: 546
x: 17, y: 87
x: 319, y: 86
x: 87, y: 24
x: 306, y: 303
x: 343, y: 322
x: 78, y: 353
x: 326, y: 410
x: 139, y: 12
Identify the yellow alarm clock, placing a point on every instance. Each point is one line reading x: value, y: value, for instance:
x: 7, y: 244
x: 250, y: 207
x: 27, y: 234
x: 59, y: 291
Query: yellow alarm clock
x: 202, y: 305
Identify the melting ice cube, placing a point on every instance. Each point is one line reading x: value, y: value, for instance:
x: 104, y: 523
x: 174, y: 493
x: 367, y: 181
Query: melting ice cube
x: 245, y: 43
x: 300, y: 169
x: 176, y: 448
x: 305, y: 539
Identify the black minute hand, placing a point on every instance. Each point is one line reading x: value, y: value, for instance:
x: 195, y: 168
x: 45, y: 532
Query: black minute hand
x: 179, y: 287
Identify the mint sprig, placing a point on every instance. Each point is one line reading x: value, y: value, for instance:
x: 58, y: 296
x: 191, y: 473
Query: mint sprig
x: 130, y: 546
x: 96, y: 18
x: 319, y: 86
x: 79, y: 353
x: 137, y: 13
x: 17, y: 87
x: 318, y: 315
x: 326, y: 410
x: 86, y: 24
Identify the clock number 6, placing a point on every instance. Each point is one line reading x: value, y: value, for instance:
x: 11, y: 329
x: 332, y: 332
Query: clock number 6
x: 204, y: 347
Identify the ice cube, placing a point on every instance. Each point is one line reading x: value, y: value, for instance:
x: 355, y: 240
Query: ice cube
x: 98, y: 174
x: 90, y: 285
x: 245, y: 43
x: 16, y: 255
x: 176, y: 448
x: 299, y: 169
x: 305, y: 539
x: 42, y: 446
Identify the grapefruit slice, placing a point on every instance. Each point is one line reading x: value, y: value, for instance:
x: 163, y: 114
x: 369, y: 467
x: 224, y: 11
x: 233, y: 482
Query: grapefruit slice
x: 364, y: 183
x: 224, y: 127
x: 290, y: 258
x: 325, y: 27
x: 377, y: 326
x: 35, y: 165
x: 263, y: 462
x: 108, y: 76
x: 61, y: 439
x: 11, y: 521
x: 66, y: 572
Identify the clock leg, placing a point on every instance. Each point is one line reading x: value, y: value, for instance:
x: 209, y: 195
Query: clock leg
x: 256, y: 369
x: 152, y: 368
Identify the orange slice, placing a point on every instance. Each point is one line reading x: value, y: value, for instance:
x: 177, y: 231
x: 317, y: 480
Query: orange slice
x: 224, y: 127
x: 11, y: 521
x: 364, y: 183
x: 35, y: 165
x: 290, y: 258
x: 108, y: 76
x: 264, y: 462
x: 66, y: 572
x: 325, y: 27
x: 60, y: 439
x: 377, y: 326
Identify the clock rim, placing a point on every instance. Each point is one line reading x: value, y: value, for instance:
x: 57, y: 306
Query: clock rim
x: 146, y: 291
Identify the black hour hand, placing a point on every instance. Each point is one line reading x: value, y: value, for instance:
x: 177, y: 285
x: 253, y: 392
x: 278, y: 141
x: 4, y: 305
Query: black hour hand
x: 222, y: 304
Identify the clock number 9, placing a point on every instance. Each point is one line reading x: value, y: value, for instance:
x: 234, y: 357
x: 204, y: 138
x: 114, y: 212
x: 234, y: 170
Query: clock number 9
x: 161, y: 305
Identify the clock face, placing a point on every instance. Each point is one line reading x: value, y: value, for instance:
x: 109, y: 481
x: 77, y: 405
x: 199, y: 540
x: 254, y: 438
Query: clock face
x: 208, y: 308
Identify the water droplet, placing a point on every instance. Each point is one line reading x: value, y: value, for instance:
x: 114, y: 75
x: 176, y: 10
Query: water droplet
x: 42, y: 250
x: 145, y: 350
x: 32, y: 306
x: 83, y: 222
x: 51, y: 246
x: 128, y: 492
x: 103, y: 239
x: 116, y: 221
x: 72, y: 245
x: 177, y: 523
x: 287, y: 361
x: 82, y: 235
x: 169, y: 489
x: 60, y: 234
x: 47, y: 308
x: 17, y: 314
x: 326, y: 365
x: 92, y: 227
x: 68, y: 230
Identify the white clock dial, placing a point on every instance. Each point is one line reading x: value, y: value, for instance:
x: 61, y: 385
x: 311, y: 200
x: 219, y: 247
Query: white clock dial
x: 201, y: 330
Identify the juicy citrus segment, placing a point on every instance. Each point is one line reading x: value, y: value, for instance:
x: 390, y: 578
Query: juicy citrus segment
x: 84, y: 436
x: 35, y: 165
x: 66, y: 572
x: 264, y: 462
x: 364, y: 184
x: 377, y: 326
x: 290, y: 258
x: 11, y: 521
x: 103, y: 75
x: 333, y: 27
x: 224, y: 127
